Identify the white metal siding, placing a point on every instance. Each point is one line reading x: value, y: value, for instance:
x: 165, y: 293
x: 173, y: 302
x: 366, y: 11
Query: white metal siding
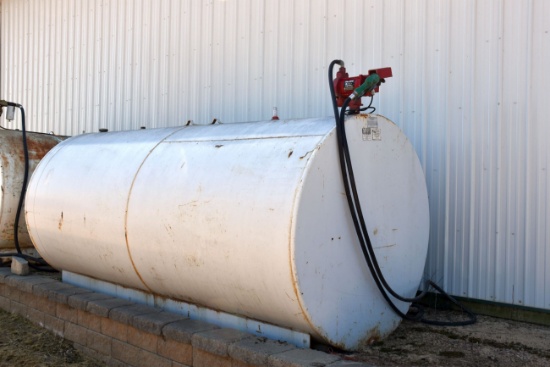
x: 470, y: 89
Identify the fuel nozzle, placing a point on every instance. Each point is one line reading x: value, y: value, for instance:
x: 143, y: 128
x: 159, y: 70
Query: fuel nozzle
x: 358, y: 86
x: 371, y: 82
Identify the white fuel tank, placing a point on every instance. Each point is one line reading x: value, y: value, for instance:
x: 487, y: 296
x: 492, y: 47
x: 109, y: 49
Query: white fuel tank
x: 247, y: 218
x: 12, y: 169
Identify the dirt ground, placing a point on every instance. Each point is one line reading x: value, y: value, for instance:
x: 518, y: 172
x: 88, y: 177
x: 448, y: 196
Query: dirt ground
x: 490, y: 342
x: 25, y: 344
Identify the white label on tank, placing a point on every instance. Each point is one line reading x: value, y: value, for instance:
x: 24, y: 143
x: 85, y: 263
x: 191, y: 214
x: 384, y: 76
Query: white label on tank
x: 371, y: 131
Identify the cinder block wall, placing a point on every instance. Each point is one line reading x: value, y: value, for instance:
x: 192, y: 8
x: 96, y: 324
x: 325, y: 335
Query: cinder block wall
x: 122, y: 333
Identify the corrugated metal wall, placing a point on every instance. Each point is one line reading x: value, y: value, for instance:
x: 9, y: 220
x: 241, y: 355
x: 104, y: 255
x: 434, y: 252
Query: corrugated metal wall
x: 470, y: 89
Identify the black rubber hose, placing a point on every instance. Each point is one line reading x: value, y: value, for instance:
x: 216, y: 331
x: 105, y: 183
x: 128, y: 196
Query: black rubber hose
x: 22, y: 200
x: 360, y: 226
x: 331, y: 86
x: 354, y: 203
x: 340, y: 135
x: 25, y: 180
x: 368, y: 251
x: 472, y: 316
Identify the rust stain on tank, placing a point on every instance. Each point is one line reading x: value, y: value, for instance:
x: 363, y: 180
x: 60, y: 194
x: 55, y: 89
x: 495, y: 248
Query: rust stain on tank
x: 12, y: 160
x: 7, y: 234
x: 60, y: 225
x: 372, y: 337
x: 38, y: 146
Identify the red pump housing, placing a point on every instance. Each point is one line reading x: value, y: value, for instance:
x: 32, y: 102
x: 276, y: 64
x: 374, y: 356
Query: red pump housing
x: 344, y: 85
